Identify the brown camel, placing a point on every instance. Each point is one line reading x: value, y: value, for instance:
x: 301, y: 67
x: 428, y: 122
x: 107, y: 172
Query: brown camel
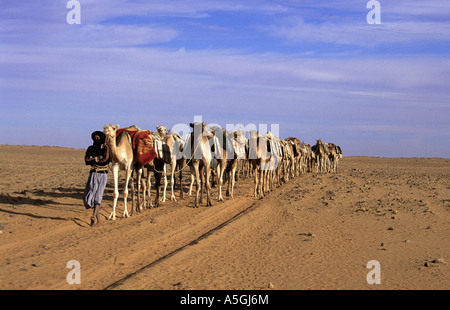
x: 335, y: 153
x: 321, y: 152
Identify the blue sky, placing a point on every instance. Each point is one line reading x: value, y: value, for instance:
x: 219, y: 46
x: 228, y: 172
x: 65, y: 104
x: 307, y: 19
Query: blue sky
x: 316, y: 68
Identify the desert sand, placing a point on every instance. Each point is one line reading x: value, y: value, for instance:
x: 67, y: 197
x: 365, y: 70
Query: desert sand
x: 317, y: 231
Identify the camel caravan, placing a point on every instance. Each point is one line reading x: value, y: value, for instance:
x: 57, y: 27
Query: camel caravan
x: 213, y: 157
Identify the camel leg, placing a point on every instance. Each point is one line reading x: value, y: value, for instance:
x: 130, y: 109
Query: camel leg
x: 139, y: 180
x: 125, y: 192
x: 157, y: 185
x: 263, y: 175
x: 208, y: 186
x: 115, y: 171
x: 158, y: 167
x: 144, y: 193
x: 220, y: 171
x: 261, y: 183
x: 202, y: 183
x: 228, y: 181
x: 294, y: 168
x: 255, y: 174
x: 181, y: 166
x: 173, y: 166
x: 255, y: 182
x: 133, y: 194
x: 197, y: 179
x: 265, y: 182
x: 163, y: 199
x: 133, y: 191
x: 192, y: 184
x: 258, y: 173
x: 233, y: 172
x: 149, y: 187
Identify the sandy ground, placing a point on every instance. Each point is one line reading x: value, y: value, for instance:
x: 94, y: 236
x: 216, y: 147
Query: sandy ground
x: 318, y: 231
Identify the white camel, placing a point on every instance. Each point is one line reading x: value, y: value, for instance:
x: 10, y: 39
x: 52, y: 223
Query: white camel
x: 200, y: 160
x: 122, y: 158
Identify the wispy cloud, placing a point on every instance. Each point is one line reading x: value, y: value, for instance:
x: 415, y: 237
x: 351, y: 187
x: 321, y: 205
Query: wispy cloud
x: 295, y: 30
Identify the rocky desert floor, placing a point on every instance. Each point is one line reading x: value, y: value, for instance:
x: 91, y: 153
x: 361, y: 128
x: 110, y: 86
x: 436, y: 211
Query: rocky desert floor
x: 317, y: 231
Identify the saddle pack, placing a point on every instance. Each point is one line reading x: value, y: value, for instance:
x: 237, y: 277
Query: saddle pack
x: 142, y: 144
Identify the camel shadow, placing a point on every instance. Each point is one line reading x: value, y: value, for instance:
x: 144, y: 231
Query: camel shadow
x: 59, y: 192
x: 77, y: 221
x: 8, y: 199
x: 35, y: 216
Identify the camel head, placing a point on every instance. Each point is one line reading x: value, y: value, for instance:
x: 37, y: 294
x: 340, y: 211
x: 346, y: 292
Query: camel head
x: 110, y: 131
x: 197, y: 124
x: 206, y: 132
x: 254, y: 134
x: 269, y: 136
x: 161, y: 130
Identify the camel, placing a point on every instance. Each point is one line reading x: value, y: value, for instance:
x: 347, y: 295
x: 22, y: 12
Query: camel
x: 272, y: 168
x: 178, y: 163
x: 225, y: 149
x: 122, y: 158
x: 335, y: 153
x: 168, y: 141
x: 156, y: 166
x: 241, y: 143
x: 287, y: 159
x: 254, y: 157
x: 305, y: 151
x: 200, y: 160
x: 308, y: 158
x: 178, y: 160
x: 260, y: 162
x: 321, y: 152
x: 163, y: 144
x: 241, y: 150
x: 295, y: 157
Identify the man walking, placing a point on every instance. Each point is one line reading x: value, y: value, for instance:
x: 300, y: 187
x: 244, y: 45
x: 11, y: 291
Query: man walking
x: 97, y: 156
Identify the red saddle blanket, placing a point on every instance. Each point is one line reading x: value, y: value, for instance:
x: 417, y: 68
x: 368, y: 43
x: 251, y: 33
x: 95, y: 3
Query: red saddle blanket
x: 142, y: 144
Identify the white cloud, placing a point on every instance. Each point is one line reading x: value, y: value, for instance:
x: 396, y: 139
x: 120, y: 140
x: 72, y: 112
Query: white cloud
x: 108, y: 62
x: 296, y: 30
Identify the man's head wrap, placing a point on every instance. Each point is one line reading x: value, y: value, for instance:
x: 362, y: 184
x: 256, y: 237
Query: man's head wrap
x: 98, y: 137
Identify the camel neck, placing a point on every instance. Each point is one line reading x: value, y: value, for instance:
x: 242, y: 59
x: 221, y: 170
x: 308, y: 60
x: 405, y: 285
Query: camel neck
x: 113, y: 147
